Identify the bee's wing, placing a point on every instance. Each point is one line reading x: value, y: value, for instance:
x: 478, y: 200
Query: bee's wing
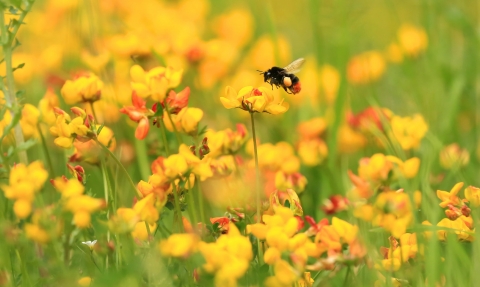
x: 294, y: 66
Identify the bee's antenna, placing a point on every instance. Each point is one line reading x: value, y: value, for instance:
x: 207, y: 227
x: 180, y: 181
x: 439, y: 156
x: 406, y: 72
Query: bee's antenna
x: 261, y: 72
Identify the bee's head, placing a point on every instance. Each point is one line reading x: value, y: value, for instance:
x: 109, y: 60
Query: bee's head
x: 266, y: 75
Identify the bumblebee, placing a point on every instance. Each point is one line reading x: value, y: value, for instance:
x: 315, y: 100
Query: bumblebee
x: 285, y: 77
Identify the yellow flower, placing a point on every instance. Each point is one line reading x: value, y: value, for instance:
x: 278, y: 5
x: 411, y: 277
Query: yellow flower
x: 375, y: 168
x: 46, y: 105
x: 472, y: 194
x: 394, y: 53
x: 36, y: 233
x: 312, y: 129
x: 186, y: 121
x: 350, y: 140
x: 412, y: 40
x: 140, y: 231
x: 454, y: 156
x: 226, y: 26
x: 253, y: 100
x: 66, y: 130
x: 84, y: 88
x: 24, y: 182
x: 124, y: 221
x: 459, y: 225
x: 85, y: 281
x: 408, y: 131
x: 409, y: 168
x: 400, y: 253
x: 366, y: 67
x: 96, y: 62
x: 90, y: 151
x: 154, y: 83
x: 29, y: 121
x: 82, y: 206
x: 179, y: 245
x: 312, y: 152
x: 450, y: 197
x: 329, y: 82
x: 228, y: 258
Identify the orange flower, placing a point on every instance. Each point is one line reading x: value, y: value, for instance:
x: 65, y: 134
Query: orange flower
x: 139, y: 114
x: 177, y: 101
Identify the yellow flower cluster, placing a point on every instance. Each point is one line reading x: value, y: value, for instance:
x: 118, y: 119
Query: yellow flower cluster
x: 228, y: 257
x: 281, y: 166
x: 75, y: 201
x: 312, y: 149
x: 145, y: 212
x: 84, y: 88
x: 408, y: 131
x: 399, y: 252
x: 258, y: 100
x: 458, y: 213
x: 67, y: 130
x: 154, y: 83
x: 24, y: 181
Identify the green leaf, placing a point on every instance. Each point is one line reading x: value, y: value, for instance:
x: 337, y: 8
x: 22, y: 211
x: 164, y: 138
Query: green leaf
x: 18, y: 67
x: 202, y: 130
x: 26, y: 145
x: 159, y: 111
x: 99, y: 130
x: 13, y: 10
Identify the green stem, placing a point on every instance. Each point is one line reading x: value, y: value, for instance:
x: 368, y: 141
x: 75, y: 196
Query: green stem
x: 121, y: 167
x: 45, y: 150
x: 177, y: 134
x: 142, y: 158
x: 164, y: 137
x: 257, y: 172
x: 95, y: 263
x: 257, y: 187
x: 345, y: 281
x: 200, y: 201
x: 93, y: 112
x: 147, y: 226
x: 192, y: 212
x: 178, y: 211
x: 10, y: 97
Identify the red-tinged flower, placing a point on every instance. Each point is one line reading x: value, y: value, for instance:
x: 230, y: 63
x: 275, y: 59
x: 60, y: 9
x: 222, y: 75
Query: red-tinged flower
x: 314, y: 226
x: 176, y: 102
x: 223, y: 223
x: 139, y: 114
x: 334, y: 204
x: 142, y: 129
x: 301, y: 222
x: 368, y: 117
x: 77, y: 171
x: 157, y: 165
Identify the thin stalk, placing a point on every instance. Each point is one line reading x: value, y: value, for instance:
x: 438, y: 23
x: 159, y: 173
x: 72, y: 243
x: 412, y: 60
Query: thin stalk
x: 147, y: 226
x: 200, y: 201
x: 45, y: 150
x: 121, y: 167
x: 178, y: 211
x: 7, y: 41
x: 177, y: 134
x: 164, y: 137
x: 257, y: 172
x: 192, y: 212
x: 106, y: 189
x: 257, y: 187
x: 93, y: 112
